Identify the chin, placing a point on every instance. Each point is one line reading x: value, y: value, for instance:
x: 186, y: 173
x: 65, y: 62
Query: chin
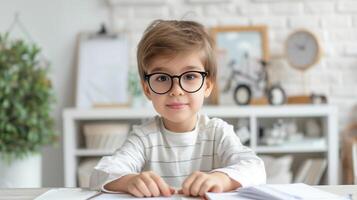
x: 178, y: 117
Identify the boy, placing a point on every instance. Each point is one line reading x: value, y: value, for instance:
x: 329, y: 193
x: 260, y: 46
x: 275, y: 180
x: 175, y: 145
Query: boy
x: 180, y: 148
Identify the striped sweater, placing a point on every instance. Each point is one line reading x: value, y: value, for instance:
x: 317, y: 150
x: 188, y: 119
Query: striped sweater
x: 211, y: 146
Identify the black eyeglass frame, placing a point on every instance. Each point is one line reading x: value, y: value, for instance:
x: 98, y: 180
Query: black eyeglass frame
x: 147, y: 78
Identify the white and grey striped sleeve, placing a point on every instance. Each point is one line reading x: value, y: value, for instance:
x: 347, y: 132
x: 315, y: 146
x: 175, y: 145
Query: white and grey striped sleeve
x: 128, y: 159
x: 237, y: 161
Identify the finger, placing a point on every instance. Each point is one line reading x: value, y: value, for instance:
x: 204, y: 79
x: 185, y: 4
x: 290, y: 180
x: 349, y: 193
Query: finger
x: 161, y: 184
x: 216, y: 188
x: 206, y: 186
x: 134, y: 191
x: 197, y: 184
x: 186, y: 185
x: 151, y: 185
x: 172, y: 190
x: 140, y: 185
x: 180, y: 191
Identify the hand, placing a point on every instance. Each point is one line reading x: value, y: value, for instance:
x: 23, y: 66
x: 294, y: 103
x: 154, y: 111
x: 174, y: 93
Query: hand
x: 148, y: 184
x: 198, y: 183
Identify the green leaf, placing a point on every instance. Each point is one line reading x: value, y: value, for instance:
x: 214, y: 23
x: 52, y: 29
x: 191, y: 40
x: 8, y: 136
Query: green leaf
x: 26, y: 100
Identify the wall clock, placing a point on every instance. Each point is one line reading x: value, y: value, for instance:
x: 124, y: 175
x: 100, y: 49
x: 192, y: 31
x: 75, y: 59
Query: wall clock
x: 302, y: 49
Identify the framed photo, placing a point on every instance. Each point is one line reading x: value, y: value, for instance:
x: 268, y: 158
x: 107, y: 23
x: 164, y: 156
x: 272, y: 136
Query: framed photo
x: 242, y: 53
x: 102, y: 75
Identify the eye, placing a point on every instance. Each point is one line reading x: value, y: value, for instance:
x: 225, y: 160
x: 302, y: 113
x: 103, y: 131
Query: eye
x: 191, y: 76
x: 161, y: 78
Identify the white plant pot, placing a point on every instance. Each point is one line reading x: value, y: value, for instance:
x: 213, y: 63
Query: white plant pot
x: 21, y: 173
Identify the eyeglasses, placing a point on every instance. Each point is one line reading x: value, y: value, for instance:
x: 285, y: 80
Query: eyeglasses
x: 162, y: 83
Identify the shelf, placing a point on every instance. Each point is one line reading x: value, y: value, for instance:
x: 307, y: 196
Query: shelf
x: 266, y: 149
x: 328, y: 145
x: 93, y: 152
x: 216, y: 111
x: 303, y: 146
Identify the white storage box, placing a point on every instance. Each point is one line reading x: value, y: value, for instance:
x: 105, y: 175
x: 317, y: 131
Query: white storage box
x: 108, y: 136
x: 278, y: 169
x: 85, y: 170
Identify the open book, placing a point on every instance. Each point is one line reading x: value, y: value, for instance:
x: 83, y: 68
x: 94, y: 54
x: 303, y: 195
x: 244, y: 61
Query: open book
x: 296, y: 191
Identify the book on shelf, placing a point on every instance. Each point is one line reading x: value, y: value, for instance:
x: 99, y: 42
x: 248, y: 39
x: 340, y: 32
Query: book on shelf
x: 311, y: 171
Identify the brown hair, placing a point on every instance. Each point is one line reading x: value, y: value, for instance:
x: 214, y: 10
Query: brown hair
x: 170, y: 37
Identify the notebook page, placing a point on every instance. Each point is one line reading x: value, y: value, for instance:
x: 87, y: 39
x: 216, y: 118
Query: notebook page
x: 122, y: 196
x: 287, y: 191
x: 225, y: 196
x: 303, y: 191
x: 67, y: 193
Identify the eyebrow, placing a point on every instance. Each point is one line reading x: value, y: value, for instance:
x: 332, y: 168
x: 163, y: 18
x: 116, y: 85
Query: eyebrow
x: 189, y: 67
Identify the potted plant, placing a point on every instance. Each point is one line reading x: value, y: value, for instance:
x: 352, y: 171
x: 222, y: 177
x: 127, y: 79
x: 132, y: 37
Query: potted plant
x: 134, y: 87
x: 26, y: 124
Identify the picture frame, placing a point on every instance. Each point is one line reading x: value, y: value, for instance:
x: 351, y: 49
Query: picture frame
x: 102, y: 70
x: 240, y: 50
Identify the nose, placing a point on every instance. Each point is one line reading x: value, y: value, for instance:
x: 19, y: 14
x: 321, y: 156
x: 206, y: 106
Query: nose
x: 176, y: 89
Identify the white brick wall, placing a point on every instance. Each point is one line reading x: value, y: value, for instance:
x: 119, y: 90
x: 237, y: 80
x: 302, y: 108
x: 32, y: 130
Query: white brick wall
x: 333, y: 21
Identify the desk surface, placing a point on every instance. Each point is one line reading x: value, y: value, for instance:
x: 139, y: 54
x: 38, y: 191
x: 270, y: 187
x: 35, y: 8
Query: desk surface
x: 31, y: 193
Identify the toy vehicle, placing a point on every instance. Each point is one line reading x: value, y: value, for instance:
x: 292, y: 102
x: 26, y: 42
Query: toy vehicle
x: 245, y: 83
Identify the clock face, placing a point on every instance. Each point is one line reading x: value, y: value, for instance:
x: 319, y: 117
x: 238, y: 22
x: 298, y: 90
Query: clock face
x: 302, y: 49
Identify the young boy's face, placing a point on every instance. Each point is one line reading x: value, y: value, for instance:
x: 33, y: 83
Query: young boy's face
x: 179, y: 105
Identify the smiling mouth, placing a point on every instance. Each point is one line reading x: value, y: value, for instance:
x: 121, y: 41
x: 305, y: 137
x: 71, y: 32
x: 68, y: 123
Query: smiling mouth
x: 177, y: 105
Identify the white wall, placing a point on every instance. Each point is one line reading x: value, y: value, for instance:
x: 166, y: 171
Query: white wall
x: 54, y: 25
x: 333, y: 21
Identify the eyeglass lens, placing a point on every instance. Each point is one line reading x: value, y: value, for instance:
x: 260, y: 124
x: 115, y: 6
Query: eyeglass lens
x: 189, y: 81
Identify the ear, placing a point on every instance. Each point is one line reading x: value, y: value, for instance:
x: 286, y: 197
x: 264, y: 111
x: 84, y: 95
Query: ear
x: 209, y: 87
x: 146, y: 89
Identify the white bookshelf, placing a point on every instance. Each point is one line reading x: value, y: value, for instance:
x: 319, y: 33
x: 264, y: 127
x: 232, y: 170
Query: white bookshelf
x: 327, y: 145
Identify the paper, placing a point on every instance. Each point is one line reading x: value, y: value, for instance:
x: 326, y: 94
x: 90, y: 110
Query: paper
x: 286, y: 192
x: 225, y: 196
x: 67, y: 193
x: 102, y: 76
x: 299, y: 191
x: 121, y: 196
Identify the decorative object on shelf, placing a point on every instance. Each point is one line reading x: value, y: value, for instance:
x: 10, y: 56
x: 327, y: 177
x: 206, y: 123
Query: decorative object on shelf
x: 109, y: 136
x: 302, y: 49
x: 307, y: 99
x: 299, y: 99
x: 318, y: 98
x: 242, y: 52
x: 242, y: 131
x: 26, y: 100
x: 283, y: 131
x: 242, y: 94
x: 275, y: 135
x: 276, y: 95
x: 293, y: 135
x: 313, y: 128
x: 102, y: 68
x: 278, y: 169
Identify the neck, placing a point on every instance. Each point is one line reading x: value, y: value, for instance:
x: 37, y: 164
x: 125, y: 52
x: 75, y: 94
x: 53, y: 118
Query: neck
x: 179, y: 127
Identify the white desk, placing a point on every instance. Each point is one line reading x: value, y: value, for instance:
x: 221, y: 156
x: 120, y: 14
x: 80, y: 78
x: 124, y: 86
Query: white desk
x: 31, y: 193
